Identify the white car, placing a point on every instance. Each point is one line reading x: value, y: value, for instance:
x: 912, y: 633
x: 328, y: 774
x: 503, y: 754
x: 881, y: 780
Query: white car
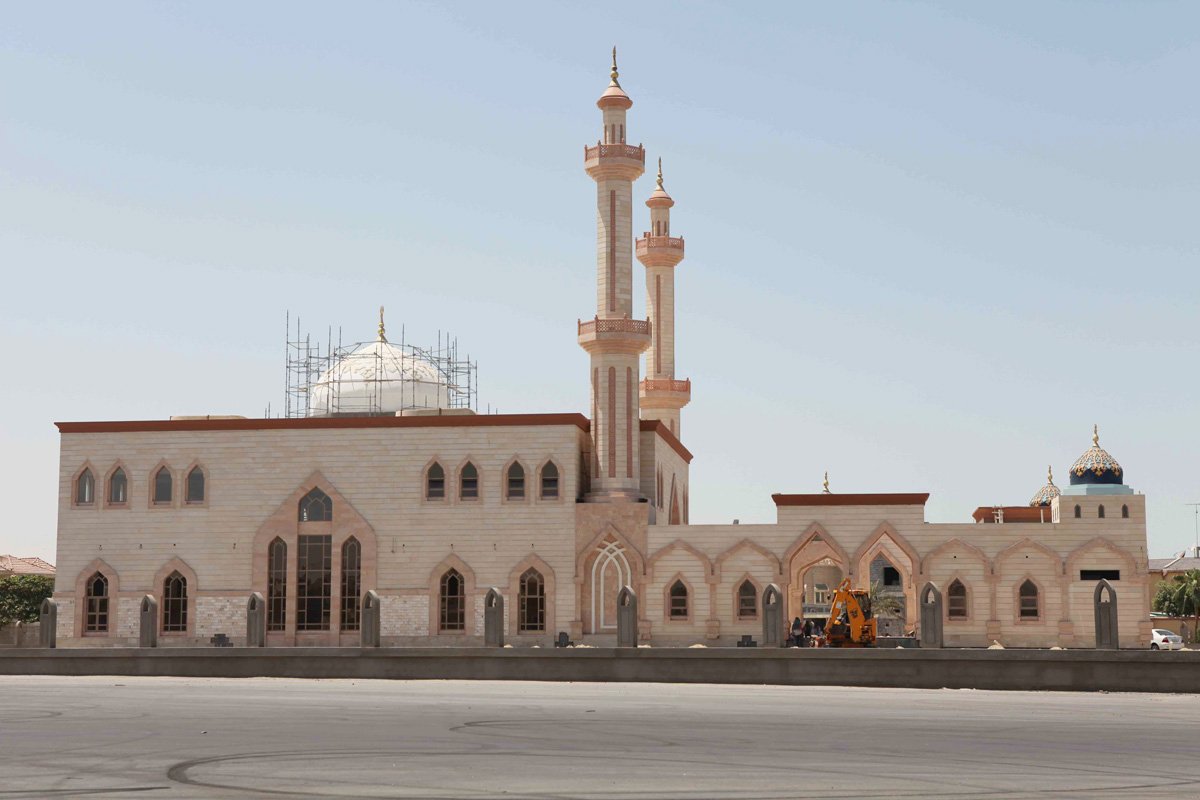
x: 1165, y: 640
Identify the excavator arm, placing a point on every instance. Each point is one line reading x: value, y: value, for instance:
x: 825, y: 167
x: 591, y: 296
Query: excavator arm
x: 850, y: 623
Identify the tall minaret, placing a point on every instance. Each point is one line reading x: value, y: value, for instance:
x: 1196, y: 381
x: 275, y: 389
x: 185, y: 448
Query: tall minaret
x: 613, y: 339
x: 662, y: 396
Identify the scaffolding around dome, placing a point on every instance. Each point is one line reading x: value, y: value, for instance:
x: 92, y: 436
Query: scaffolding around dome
x: 375, y: 378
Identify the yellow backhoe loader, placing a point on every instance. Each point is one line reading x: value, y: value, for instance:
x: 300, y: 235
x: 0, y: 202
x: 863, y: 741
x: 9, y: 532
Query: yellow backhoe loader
x: 850, y: 621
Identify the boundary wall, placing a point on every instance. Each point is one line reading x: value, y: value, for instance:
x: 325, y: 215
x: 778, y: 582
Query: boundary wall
x: 1023, y: 670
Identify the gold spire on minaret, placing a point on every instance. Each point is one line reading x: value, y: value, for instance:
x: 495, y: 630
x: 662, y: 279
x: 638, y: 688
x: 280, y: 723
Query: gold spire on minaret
x: 1095, y: 435
x: 660, y: 172
x: 382, y: 334
x: 613, y: 74
x: 826, y: 489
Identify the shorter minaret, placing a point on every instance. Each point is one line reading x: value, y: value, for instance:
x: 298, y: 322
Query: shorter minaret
x: 662, y: 396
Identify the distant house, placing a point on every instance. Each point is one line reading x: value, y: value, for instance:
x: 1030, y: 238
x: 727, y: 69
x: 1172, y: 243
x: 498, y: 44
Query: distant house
x: 11, y: 565
x: 1170, y: 567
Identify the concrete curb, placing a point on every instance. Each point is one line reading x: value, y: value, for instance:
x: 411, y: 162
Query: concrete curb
x: 1027, y: 670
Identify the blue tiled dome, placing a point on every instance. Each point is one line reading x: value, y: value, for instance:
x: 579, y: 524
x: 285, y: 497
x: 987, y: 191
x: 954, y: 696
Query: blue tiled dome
x: 1047, y: 492
x: 1096, y: 465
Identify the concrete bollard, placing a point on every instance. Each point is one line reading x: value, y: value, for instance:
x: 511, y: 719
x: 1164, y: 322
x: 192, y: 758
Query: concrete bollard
x: 48, y: 634
x: 772, y: 621
x: 370, y: 623
x: 1105, y: 601
x: 627, y: 617
x: 148, y: 619
x: 931, y: 616
x: 493, y: 618
x: 256, y: 620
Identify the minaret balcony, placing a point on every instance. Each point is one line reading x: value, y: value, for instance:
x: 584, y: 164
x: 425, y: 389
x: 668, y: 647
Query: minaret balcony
x: 654, y: 246
x: 614, y: 335
x: 665, y: 392
x: 619, y: 160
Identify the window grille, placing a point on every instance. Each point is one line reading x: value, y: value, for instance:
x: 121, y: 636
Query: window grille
x: 118, y: 488
x: 956, y: 600
x: 316, y: 506
x: 162, y: 486
x: 314, y: 582
x: 85, y: 488
x: 351, y: 585
x: 174, y: 604
x: 679, y: 601
x: 435, y: 482
x: 1029, y: 601
x: 469, y: 488
x: 549, y: 481
x: 516, y: 482
x: 277, y: 586
x: 531, y: 612
x: 452, y: 601
x: 747, y: 600
x: 97, y: 605
x: 194, y: 489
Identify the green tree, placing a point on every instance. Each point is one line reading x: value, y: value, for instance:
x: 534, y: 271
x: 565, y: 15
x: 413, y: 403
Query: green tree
x: 21, y: 597
x: 1186, y: 595
x: 1164, y: 599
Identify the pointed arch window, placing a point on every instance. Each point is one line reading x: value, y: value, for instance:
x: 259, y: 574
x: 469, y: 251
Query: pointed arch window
x: 118, y: 488
x: 174, y: 604
x: 435, y: 482
x: 316, y: 506
x: 277, y: 586
x: 1030, y: 601
x: 85, y: 488
x: 515, y: 489
x: 468, y: 488
x: 1100, y: 512
x: 956, y: 600
x: 531, y: 602
x: 351, y: 585
x: 1078, y: 512
x: 452, y: 602
x: 193, y: 488
x: 747, y: 601
x: 1124, y: 512
x: 314, y: 582
x: 163, y: 486
x: 96, y: 599
x: 678, y: 601
x: 550, y: 481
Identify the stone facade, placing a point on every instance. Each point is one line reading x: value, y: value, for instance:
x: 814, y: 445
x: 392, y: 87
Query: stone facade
x: 221, y: 506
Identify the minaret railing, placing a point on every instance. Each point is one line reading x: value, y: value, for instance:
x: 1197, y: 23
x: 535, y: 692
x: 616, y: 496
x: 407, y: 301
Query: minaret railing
x: 618, y: 150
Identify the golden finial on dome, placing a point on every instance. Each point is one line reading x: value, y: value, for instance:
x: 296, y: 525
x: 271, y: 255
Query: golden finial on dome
x: 660, y: 172
x: 382, y: 333
x: 613, y: 74
x: 1050, y: 475
x: 826, y: 490
x: 1095, y: 435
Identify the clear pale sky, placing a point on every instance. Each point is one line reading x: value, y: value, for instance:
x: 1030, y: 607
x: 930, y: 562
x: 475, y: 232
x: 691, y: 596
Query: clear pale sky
x: 928, y: 245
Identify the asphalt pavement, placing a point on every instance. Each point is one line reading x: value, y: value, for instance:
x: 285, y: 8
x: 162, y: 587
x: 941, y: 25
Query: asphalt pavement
x: 260, y: 738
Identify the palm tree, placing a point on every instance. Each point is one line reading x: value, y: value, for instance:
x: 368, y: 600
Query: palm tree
x: 885, y: 603
x: 1186, y: 595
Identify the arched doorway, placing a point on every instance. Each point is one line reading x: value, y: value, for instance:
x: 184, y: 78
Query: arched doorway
x: 815, y: 566
x: 608, y: 572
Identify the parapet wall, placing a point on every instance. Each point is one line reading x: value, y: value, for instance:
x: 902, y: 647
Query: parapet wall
x: 1025, y: 670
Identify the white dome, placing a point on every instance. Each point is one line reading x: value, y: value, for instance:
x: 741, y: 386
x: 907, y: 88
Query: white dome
x: 380, y: 378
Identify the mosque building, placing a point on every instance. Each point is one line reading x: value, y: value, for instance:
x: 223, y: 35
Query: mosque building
x: 389, y: 482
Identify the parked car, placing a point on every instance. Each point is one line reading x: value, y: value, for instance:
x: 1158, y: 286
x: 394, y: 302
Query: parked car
x: 1165, y: 640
